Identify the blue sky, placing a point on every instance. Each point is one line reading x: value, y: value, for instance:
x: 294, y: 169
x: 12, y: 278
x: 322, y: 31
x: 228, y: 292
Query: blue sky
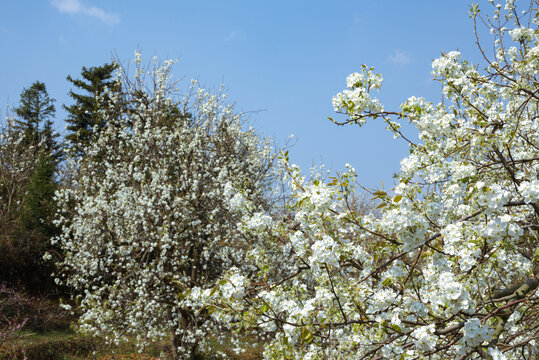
x: 285, y: 58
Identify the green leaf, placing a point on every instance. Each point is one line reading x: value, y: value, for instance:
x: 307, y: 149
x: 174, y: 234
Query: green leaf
x: 357, y: 328
x: 381, y: 205
x: 397, y: 198
x: 380, y: 193
x: 396, y: 327
x: 474, y: 10
x: 306, y: 335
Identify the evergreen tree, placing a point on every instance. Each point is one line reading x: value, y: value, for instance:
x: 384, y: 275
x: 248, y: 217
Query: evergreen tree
x: 35, y: 113
x: 26, y: 235
x: 34, y: 228
x: 38, y: 206
x: 84, y: 113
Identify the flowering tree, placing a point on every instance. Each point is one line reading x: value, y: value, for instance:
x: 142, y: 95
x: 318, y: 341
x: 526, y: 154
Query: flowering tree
x: 146, y: 223
x: 449, y: 268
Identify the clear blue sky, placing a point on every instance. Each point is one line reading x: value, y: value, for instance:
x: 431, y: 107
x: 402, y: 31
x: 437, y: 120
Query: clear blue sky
x: 287, y: 58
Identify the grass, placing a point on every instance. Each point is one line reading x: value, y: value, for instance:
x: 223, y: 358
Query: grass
x: 67, y: 345
x: 49, y: 336
x: 47, y: 346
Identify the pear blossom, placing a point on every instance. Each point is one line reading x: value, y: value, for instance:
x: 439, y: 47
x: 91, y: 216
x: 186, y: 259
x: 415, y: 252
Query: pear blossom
x: 149, y: 224
x: 447, y: 264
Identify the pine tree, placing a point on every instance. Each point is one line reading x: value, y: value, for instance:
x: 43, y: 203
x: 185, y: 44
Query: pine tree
x: 27, y: 236
x: 38, y: 205
x: 84, y: 114
x: 34, y: 227
x: 36, y: 111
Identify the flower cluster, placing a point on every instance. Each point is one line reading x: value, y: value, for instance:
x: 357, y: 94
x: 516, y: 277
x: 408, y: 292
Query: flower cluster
x: 448, y: 264
x: 357, y: 98
x: 149, y: 223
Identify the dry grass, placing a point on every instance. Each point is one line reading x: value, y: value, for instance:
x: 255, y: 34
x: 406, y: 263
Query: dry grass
x: 47, y: 346
x: 67, y: 345
x: 49, y: 336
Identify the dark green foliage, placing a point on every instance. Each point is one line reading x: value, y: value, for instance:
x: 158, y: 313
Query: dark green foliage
x: 35, y: 110
x: 29, y: 156
x: 38, y: 205
x: 35, y: 119
x: 84, y: 114
x: 21, y: 257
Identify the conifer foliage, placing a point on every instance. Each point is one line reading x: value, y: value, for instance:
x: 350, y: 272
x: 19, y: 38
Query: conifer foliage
x: 84, y: 120
x: 35, y: 113
x: 29, y: 152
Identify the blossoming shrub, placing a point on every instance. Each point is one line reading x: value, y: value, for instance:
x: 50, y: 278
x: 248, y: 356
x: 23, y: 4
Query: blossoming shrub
x: 147, y: 225
x: 449, y: 268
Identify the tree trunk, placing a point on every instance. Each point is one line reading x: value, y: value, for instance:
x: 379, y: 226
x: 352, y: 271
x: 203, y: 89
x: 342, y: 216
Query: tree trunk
x: 177, y: 341
x: 174, y: 344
